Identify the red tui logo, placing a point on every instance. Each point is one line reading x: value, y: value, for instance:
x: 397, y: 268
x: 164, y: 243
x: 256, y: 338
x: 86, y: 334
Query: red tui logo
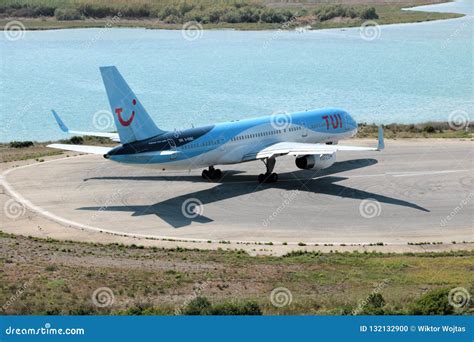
x: 119, y: 111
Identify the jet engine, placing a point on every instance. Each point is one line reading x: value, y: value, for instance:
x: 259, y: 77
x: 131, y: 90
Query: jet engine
x: 315, y: 161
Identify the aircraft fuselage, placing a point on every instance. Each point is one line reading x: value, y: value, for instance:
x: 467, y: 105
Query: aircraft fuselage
x: 236, y: 141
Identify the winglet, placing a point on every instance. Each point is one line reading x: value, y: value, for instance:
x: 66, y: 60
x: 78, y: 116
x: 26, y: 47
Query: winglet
x: 60, y: 122
x: 381, y: 144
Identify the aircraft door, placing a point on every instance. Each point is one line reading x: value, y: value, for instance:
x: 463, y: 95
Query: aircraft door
x: 172, y: 144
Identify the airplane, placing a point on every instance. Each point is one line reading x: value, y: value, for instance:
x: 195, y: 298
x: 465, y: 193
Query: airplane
x: 311, y: 136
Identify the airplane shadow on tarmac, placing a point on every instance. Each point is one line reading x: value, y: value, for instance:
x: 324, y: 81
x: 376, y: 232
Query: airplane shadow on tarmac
x: 182, y: 210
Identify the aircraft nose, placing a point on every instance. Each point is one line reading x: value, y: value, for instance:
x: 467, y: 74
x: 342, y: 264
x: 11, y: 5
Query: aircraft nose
x: 351, y: 123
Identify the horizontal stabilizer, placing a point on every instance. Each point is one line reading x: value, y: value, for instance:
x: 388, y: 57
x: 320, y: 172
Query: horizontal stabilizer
x: 82, y: 148
x: 65, y: 129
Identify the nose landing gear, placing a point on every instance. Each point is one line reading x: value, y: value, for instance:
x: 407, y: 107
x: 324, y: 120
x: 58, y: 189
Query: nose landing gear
x: 211, y: 173
x: 268, y: 177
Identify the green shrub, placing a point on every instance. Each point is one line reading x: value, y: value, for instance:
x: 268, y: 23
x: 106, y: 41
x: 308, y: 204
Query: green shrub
x: 135, y: 11
x: 375, y: 304
x: 169, y: 11
x: 195, y: 15
x: 272, y: 16
x: 239, y: 4
x: 351, y: 13
x: 214, y: 15
x: 51, y: 268
x: 21, y: 144
x: 44, y: 10
x: 249, y: 14
x: 334, y: 11
x: 429, y: 129
x: 67, y: 14
x: 368, y: 13
x: 83, y: 310
x: 202, y: 306
x: 97, y: 11
x: 185, y: 7
x: 329, y: 12
x: 432, y: 303
x: 232, y: 16
x: 143, y: 309
x: 303, y: 12
x: 198, y: 306
x: 76, y: 140
x: 29, y: 11
x: 287, y: 15
x: 236, y: 309
x: 138, y: 309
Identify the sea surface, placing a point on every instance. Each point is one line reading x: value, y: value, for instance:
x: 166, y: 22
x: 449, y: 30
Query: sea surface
x: 405, y: 73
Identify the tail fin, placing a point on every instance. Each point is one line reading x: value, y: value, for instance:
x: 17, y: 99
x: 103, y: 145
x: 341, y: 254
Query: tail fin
x: 131, y: 119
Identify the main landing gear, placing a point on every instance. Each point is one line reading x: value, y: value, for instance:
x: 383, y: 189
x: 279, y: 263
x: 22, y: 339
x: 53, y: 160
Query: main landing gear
x: 211, y: 173
x: 268, y: 177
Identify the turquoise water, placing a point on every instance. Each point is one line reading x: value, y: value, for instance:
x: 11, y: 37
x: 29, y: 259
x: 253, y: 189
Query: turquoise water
x: 410, y: 73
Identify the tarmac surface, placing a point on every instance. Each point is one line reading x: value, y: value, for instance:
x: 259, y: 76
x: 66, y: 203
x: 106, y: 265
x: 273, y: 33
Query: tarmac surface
x: 414, y: 191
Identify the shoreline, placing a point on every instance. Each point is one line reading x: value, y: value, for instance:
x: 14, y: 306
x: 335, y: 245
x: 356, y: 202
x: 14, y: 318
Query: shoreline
x: 390, y: 14
x: 103, y: 24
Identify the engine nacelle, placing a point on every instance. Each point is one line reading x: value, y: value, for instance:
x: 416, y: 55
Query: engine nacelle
x: 315, y: 161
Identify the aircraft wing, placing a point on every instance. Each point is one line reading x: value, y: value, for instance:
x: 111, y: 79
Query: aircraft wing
x: 65, y: 129
x: 295, y: 149
x: 82, y: 148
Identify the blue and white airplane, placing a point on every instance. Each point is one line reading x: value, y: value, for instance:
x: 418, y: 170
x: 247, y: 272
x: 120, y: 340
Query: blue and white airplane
x: 311, y: 136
